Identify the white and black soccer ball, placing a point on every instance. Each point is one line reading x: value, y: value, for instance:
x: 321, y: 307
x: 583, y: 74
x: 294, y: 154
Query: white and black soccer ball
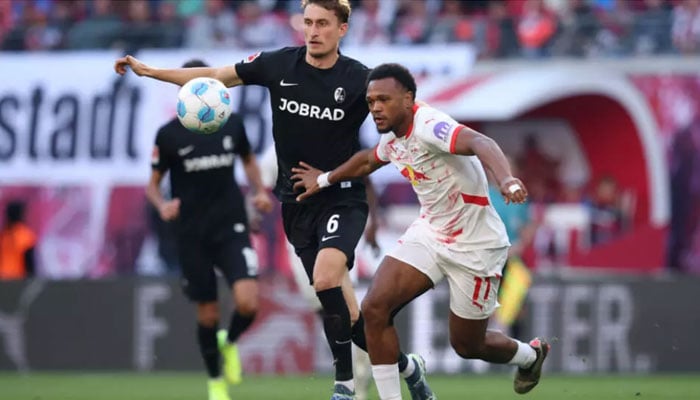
x: 203, y: 105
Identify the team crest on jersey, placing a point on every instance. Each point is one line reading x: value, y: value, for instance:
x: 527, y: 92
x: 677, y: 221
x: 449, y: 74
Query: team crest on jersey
x: 228, y: 143
x: 339, y: 95
x: 441, y: 130
x: 252, y: 57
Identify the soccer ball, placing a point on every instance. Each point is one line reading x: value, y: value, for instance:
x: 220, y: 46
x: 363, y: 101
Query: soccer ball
x: 203, y: 105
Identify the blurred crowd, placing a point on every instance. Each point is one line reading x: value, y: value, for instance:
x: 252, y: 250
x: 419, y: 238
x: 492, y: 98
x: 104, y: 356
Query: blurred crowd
x: 496, y: 28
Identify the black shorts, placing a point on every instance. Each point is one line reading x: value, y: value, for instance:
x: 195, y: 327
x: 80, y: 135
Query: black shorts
x: 312, y: 227
x: 226, y: 250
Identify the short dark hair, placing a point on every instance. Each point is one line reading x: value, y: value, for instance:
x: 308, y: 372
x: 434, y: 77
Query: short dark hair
x: 194, y: 63
x: 397, y: 71
x: 341, y: 8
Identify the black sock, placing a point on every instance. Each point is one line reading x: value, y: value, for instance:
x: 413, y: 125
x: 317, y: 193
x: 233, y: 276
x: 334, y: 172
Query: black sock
x: 336, y: 324
x: 206, y: 336
x: 403, y: 362
x: 358, y: 333
x: 239, y: 323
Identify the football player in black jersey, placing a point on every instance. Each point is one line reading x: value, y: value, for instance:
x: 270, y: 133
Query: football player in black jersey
x: 318, y: 104
x: 212, y: 229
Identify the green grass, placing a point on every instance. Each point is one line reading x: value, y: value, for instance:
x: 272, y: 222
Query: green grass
x: 191, y: 386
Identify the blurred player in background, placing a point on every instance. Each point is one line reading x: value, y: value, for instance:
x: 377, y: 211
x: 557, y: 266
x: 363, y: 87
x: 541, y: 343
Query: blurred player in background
x: 516, y: 280
x: 212, y: 228
x: 318, y: 104
x: 458, y: 234
x: 17, y: 244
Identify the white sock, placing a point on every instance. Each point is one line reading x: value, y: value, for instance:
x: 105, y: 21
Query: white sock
x: 410, y: 367
x: 348, y: 384
x: 386, y: 377
x: 525, y: 355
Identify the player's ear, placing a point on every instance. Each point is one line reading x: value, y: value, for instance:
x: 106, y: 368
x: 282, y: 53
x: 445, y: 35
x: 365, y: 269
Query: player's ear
x: 408, y: 100
x: 343, y: 29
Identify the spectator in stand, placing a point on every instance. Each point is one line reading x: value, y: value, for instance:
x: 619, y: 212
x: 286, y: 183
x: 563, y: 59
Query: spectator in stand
x: 97, y: 31
x: 412, y: 23
x: 139, y: 30
x: 652, y: 28
x: 540, y: 171
x: 501, y: 36
x: 686, y: 27
x: 257, y: 29
x: 215, y: 27
x: 17, y: 244
x: 370, y: 23
x: 171, y: 26
x: 579, y: 30
x: 536, y: 29
x: 608, y: 220
x: 451, y: 24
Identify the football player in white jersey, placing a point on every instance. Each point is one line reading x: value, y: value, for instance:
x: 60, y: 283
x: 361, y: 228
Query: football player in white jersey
x: 458, y: 235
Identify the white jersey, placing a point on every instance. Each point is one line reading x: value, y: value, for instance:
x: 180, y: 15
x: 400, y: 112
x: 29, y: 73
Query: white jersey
x: 452, y: 189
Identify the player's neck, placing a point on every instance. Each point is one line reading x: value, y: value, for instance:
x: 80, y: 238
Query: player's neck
x: 404, y: 127
x: 325, y: 62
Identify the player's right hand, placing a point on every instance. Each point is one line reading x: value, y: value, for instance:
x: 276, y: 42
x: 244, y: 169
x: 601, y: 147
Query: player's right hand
x: 513, y: 190
x: 169, y: 210
x: 137, y: 66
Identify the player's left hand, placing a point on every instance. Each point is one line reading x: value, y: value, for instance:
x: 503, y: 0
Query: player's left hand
x: 306, y: 177
x: 513, y: 190
x: 371, y: 235
x: 262, y: 202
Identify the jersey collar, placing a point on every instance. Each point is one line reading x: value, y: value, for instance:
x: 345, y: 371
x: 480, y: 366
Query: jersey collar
x: 410, y: 127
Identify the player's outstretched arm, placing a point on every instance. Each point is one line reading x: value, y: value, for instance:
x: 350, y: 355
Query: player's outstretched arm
x: 179, y: 76
x: 470, y: 142
x: 312, y: 180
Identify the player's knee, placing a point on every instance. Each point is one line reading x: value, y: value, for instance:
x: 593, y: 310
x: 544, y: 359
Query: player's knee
x: 208, y: 314
x: 247, y: 307
x: 466, y: 349
x: 324, y: 283
x: 375, y: 312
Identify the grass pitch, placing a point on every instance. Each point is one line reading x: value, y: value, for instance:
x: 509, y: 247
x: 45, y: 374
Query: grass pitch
x: 192, y: 386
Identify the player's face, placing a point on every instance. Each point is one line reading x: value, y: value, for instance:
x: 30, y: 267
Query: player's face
x: 322, y: 31
x: 390, y: 104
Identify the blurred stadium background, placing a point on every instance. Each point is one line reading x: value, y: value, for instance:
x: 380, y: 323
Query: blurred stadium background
x: 596, y: 101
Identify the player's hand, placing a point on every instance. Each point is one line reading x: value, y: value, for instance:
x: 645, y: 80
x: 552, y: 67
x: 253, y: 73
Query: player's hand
x: 306, y: 177
x: 262, y: 201
x: 513, y: 190
x: 137, y: 66
x: 169, y: 210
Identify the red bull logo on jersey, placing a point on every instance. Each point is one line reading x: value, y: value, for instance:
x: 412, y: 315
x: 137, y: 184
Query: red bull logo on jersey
x: 414, y: 176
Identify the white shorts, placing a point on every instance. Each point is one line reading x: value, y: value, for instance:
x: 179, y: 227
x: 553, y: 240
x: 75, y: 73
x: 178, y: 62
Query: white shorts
x: 473, y: 276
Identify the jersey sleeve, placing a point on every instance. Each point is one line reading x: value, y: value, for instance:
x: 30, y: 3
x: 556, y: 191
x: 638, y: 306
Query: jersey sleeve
x: 159, y: 158
x: 258, y: 68
x: 241, y: 144
x: 438, y: 130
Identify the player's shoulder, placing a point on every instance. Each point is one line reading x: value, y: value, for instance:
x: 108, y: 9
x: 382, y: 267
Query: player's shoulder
x: 353, y: 64
x: 429, y: 121
x: 289, y: 53
x: 171, y: 128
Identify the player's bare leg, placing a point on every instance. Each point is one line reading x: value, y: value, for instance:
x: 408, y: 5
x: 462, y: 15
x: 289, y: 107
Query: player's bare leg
x: 245, y: 296
x: 471, y: 340
x: 394, y: 285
